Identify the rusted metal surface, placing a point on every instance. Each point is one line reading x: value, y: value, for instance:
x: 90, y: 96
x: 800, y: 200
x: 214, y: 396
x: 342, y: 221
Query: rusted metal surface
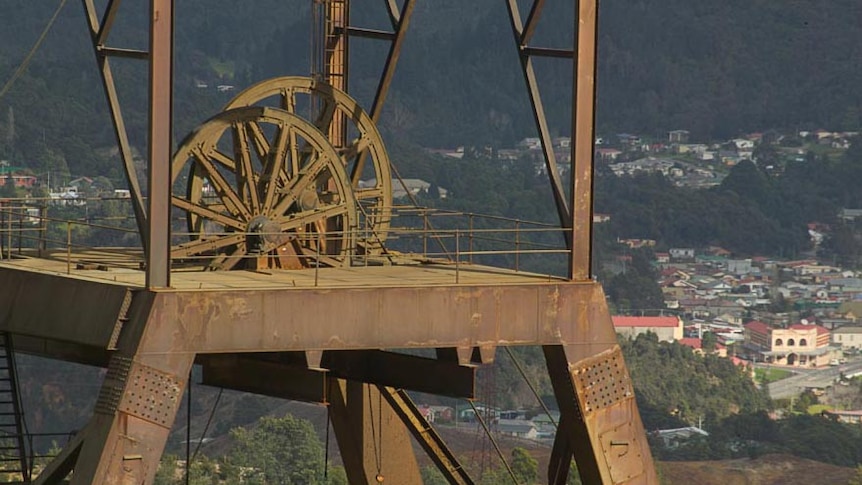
x: 299, y: 381
x: 600, y: 425
x: 425, y: 435
x: 60, y: 309
x: 583, y: 138
x: 159, y: 161
x: 376, y: 448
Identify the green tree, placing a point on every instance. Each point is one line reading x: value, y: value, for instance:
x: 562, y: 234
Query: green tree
x: 432, y: 476
x: 280, y: 450
x: 524, y: 466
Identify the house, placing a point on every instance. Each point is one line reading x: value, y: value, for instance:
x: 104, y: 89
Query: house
x: 437, y: 414
x: 668, y: 329
x: 851, y: 310
x: 799, y: 345
x: 850, y: 215
x: 848, y: 337
x: 696, y: 344
x: 518, y: 428
x: 681, y: 254
x: 608, y: 154
x: 672, y: 438
x: 849, y: 417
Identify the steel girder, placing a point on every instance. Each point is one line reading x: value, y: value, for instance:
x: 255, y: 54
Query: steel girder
x: 153, y: 337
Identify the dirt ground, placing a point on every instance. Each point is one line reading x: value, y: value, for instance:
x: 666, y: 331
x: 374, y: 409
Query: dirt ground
x: 765, y: 470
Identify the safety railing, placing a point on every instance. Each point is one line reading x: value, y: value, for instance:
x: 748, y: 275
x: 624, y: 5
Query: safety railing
x: 89, y: 237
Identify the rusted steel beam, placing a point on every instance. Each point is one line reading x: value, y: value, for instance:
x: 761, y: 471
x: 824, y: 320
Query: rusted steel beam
x: 127, y: 53
x: 601, y: 425
x: 463, y: 316
x: 98, y: 35
x: 401, y: 22
x: 107, y: 23
x: 61, y: 310
x: 583, y: 139
x: 532, y: 20
x: 401, y: 371
x: 137, y: 404
x: 62, y: 464
x: 425, y: 435
x: 548, y: 52
x: 373, y: 441
x: 370, y: 33
x: 539, y: 117
x: 253, y: 373
x: 65, y: 351
x: 159, y: 161
x: 247, y: 374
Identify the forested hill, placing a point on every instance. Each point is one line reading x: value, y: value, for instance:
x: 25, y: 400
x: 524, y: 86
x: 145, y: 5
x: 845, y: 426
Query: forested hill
x: 714, y: 68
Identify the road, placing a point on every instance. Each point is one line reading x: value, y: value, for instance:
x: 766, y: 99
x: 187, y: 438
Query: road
x: 805, y: 378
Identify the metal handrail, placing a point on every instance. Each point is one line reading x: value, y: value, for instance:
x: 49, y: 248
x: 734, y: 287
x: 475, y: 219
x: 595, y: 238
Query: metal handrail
x: 463, y: 237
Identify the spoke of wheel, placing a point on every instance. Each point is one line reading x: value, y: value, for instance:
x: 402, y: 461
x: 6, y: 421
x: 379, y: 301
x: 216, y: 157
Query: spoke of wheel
x: 245, y: 172
x: 301, y: 219
x: 293, y: 144
x: 222, y: 187
x: 261, y: 144
x: 306, y: 177
x: 207, y: 213
x: 223, y: 159
x: 324, y: 121
x: 202, y: 246
x: 275, y: 165
x: 235, y: 257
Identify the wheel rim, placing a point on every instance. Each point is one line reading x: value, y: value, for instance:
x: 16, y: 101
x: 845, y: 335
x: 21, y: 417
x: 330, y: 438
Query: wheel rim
x: 374, y: 193
x: 261, y: 184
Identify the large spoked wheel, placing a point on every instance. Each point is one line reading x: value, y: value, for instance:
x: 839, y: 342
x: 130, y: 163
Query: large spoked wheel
x: 261, y: 186
x: 364, y: 156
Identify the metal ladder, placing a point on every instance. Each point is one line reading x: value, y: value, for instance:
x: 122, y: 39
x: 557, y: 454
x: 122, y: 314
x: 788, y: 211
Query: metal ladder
x: 15, y: 465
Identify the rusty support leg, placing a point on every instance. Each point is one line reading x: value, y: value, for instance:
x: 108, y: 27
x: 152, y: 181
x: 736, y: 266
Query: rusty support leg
x: 137, y: 404
x: 376, y: 448
x: 600, y: 424
x: 133, y: 417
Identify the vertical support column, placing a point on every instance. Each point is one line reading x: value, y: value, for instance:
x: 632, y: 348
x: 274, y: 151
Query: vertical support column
x: 335, y: 60
x: 374, y: 443
x: 583, y: 138
x: 159, y: 165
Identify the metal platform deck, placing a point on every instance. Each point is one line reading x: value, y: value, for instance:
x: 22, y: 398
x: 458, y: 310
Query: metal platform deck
x: 116, y: 267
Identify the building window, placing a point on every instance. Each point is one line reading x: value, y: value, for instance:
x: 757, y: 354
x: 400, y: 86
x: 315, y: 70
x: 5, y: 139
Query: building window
x: 779, y: 342
x: 791, y: 342
x: 803, y: 342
